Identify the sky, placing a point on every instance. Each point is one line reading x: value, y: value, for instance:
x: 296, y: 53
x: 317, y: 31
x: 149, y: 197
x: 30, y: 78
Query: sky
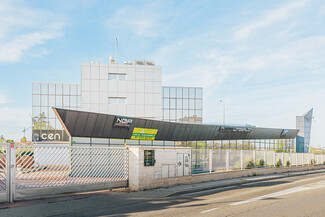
x: 264, y: 59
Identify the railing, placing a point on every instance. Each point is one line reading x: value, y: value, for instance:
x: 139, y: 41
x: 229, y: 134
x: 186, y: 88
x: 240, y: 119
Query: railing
x: 42, y: 166
x: 43, y: 169
x: 214, y: 160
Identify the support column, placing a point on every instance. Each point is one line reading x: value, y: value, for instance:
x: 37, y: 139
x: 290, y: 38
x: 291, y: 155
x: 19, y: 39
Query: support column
x: 227, y: 159
x: 241, y: 159
x: 210, y: 160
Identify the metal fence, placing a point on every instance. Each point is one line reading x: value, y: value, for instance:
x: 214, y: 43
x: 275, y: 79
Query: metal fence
x: 214, y: 160
x: 48, y: 169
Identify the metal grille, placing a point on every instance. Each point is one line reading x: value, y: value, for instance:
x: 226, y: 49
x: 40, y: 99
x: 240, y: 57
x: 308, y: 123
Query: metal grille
x: 41, y: 166
x: 3, y: 167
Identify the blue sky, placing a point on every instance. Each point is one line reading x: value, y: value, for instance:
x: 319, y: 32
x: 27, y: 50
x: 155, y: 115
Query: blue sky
x: 265, y: 59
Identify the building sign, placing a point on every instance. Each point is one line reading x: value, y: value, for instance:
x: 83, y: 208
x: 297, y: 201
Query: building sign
x: 284, y: 132
x: 120, y: 121
x: 236, y: 129
x: 49, y: 136
x: 144, y: 134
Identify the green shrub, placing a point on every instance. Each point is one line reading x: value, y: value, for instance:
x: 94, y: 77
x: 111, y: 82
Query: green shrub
x: 250, y: 165
x: 312, y: 162
x: 26, y: 153
x: 261, y: 163
x: 279, y: 163
x: 288, y: 163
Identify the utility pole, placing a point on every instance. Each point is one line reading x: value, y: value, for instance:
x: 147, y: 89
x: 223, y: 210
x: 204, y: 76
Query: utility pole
x: 224, y: 111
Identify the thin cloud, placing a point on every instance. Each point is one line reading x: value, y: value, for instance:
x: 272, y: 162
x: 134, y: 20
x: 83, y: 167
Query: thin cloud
x: 23, y: 29
x: 271, y: 17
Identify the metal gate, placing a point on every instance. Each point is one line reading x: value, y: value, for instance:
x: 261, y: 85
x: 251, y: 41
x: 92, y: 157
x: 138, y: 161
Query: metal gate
x: 4, y: 172
x: 50, y: 169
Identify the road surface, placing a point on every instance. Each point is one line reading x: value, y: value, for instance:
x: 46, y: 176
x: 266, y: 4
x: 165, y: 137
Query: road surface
x: 292, y: 196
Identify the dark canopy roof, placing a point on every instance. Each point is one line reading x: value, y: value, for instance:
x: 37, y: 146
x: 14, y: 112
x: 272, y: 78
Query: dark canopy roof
x: 95, y: 125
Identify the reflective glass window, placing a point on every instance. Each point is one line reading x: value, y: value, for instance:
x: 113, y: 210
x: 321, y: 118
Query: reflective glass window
x: 185, y: 104
x: 198, y: 93
x: 122, y: 77
x: 58, y: 89
x: 112, y: 100
x: 112, y: 76
x: 44, y: 100
x: 122, y: 101
x: 66, y: 101
x: 36, y: 88
x: 166, y: 103
x: 166, y: 92
x: 185, y: 92
x: 172, y: 103
x: 73, y: 100
x: 66, y: 89
x: 73, y: 89
x: 172, y: 114
x: 58, y: 101
x: 166, y: 114
x: 191, y: 93
x: 172, y: 93
x: 198, y: 104
x: 191, y: 104
x: 198, y: 113
x: 191, y: 113
x: 36, y: 100
x: 179, y: 93
x: 52, y: 101
x: 52, y: 89
x: 179, y: 114
x: 45, y: 88
x: 179, y: 104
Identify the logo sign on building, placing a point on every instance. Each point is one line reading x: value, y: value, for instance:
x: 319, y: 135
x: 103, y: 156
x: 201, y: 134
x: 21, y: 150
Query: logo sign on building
x: 49, y: 136
x: 284, y: 132
x: 144, y: 134
x: 120, y: 121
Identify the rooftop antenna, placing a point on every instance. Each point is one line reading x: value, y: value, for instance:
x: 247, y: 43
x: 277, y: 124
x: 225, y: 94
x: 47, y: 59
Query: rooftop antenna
x: 116, y: 45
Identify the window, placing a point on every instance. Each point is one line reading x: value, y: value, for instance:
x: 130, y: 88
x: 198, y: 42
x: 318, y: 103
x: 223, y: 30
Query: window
x: 116, y: 76
x: 122, y: 77
x: 116, y: 100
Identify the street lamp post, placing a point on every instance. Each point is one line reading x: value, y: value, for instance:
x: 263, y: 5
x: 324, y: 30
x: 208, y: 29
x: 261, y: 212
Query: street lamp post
x: 224, y: 111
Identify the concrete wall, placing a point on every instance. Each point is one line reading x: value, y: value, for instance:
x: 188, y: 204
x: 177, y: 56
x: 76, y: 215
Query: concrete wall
x: 142, y: 178
x: 147, y: 177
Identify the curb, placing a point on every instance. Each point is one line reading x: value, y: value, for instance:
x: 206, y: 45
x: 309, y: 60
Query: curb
x: 238, y: 183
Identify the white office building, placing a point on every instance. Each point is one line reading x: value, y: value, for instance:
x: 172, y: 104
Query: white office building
x: 130, y: 89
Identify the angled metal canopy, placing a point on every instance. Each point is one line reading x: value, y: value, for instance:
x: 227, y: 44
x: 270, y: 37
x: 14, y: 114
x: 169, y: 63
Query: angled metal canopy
x: 95, y: 125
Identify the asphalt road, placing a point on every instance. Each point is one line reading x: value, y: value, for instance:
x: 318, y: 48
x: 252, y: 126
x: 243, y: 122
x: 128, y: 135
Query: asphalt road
x: 293, y: 196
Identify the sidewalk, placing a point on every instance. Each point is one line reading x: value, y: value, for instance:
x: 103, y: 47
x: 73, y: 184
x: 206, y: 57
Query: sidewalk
x: 185, y: 189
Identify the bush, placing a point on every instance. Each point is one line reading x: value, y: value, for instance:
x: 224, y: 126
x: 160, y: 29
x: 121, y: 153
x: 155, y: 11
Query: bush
x: 312, y: 162
x: 279, y: 163
x: 288, y: 163
x: 261, y: 163
x: 250, y: 165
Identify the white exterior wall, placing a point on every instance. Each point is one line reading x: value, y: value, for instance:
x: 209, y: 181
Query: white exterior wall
x: 142, y: 89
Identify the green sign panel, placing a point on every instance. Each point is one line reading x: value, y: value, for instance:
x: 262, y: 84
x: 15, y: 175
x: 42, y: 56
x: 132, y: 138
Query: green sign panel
x: 144, y: 134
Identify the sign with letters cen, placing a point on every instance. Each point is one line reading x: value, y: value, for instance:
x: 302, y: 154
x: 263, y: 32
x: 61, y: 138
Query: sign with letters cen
x: 144, y: 134
x: 121, y: 121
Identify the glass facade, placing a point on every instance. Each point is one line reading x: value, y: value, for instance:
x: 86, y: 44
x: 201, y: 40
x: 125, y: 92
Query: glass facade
x: 182, y: 104
x: 46, y: 126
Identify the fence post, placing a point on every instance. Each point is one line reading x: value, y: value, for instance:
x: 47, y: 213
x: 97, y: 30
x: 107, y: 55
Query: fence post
x: 282, y: 156
x: 302, y: 159
x: 12, y: 165
x: 274, y: 158
x: 264, y: 158
x: 241, y: 159
x: 254, y: 157
x: 290, y: 159
x: 7, y: 164
x: 308, y: 159
x: 210, y: 160
x: 296, y: 159
x: 227, y: 159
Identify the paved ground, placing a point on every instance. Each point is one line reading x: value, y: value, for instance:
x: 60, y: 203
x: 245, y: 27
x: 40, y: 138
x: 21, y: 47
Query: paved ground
x: 279, y: 196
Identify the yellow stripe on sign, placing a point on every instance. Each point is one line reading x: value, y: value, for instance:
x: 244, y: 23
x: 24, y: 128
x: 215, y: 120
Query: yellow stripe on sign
x: 144, y: 134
